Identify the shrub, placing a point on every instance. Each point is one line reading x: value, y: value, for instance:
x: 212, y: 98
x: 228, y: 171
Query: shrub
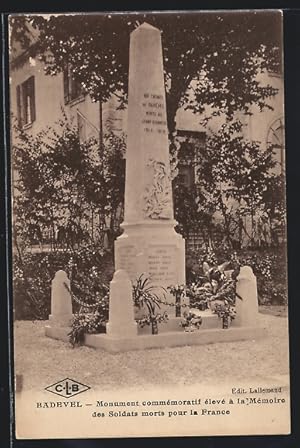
x: 268, y: 265
x: 89, y: 269
x: 85, y: 323
x: 270, y: 270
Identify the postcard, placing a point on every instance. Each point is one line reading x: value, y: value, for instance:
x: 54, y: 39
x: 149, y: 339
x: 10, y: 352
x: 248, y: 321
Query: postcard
x: 149, y: 224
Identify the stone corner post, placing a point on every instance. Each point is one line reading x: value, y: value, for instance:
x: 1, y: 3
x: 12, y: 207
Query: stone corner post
x: 121, y: 323
x: 61, y: 300
x: 247, y: 308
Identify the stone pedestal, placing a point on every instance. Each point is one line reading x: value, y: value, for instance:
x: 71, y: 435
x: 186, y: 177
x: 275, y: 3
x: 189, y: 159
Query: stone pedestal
x: 121, y: 322
x: 156, y: 250
x: 61, y: 301
x: 247, y: 306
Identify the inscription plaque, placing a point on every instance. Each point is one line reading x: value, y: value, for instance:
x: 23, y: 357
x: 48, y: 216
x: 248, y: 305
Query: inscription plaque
x: 154, y: 118
x: 126, y: 260
x: 162, y: 265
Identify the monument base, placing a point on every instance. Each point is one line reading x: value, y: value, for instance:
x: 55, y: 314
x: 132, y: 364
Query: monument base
x: 59, y: 333
x: 64, y: 320
x: 59, y: 330
x: 172, y: 339
x: 156, y: 251
x: 162, y: 340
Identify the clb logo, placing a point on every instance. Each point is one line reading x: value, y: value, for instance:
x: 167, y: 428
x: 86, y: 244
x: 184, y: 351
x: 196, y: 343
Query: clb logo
x: 67, y: 388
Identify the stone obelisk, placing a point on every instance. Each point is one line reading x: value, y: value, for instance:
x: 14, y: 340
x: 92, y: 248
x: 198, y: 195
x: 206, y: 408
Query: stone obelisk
x: 149, y: 243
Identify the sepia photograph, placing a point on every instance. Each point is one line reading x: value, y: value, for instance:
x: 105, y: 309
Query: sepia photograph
x: 149, y: 238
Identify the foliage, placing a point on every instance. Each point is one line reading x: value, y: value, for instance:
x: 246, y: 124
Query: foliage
x: 222, y: 52
x: 93, y: 314
x: 88, y: 268
x: 31, y: 286
x: 32, y: 276
x: 212, y: 288
x: 268, y: 265
x: 234, y: 178
x: 89, y: 304
x: 153, y: 320
x: 52, y: 192
x: 270, y: 270
x: 146, y: 295
x: 85, y: 323
x: 212, y: 63
x: 176, y: 290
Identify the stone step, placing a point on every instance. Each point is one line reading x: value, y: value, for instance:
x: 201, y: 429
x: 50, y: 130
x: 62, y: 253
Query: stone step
x: 174, y: 339
x: 163, y: 339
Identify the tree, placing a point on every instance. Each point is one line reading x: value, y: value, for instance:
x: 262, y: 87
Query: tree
x: 52, y: 192
x: 212, y: 62
x: 236, y: 179
x: 220, y: 52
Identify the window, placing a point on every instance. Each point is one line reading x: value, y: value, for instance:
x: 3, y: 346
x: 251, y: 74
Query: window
x: 191, y: 144
x: 186, y: 175
x: 26, y: 102
x: 72, y: 88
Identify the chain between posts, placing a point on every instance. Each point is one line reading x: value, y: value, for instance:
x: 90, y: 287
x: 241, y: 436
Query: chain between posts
x: 182, y: 305
x: 81, y: 303
x: 88, y: 305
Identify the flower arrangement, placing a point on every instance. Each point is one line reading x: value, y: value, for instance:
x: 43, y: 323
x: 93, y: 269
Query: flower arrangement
x: 214, y: 289
x: 226, y: 312
x: 153, y: 320
x: 85, y: 323
x: 191, y: 321
x: 195, y: 294
x: 213, y: 285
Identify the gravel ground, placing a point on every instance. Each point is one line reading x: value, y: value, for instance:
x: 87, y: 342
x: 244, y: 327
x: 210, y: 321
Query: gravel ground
x: 42, y: 361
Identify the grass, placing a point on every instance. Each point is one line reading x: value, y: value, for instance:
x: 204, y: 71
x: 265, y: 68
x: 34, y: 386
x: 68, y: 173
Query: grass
x: 42, y: 361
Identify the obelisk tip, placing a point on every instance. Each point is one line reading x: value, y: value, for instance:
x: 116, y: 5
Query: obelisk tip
x: 145, y: 26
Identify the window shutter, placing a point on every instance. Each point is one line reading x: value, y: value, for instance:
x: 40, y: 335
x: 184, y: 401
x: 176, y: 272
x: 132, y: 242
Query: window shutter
x: 19, y: 110
x: 66, y: 84
x: 24, y: 109
x: 76, y: 87
x: 32, y: 98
